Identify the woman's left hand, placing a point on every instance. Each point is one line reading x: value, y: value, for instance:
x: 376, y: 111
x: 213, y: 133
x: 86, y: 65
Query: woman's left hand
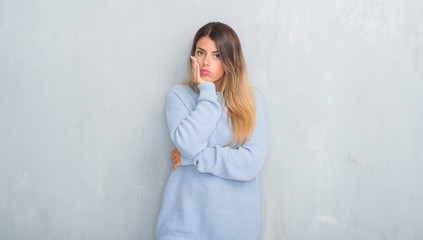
x: 175, y: 156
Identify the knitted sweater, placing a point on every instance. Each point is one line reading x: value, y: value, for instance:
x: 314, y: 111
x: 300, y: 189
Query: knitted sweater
x: 214, y: 194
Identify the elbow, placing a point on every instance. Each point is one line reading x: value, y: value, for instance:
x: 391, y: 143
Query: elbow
x: 247, y: 178
x: 254, y: 164
x: 251, y: 170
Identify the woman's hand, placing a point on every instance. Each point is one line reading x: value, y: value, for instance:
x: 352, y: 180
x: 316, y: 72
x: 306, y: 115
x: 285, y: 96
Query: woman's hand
x: 195, y: 69
x: 175, y: 156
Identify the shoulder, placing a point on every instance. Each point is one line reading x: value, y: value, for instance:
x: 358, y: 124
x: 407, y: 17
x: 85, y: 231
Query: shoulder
x: 178, y: 89
x: 257, y: 93
x: 181, y: 90
x: 182, y: 93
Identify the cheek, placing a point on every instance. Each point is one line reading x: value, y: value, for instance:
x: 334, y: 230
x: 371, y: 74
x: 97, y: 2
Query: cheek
x: 220, y: 69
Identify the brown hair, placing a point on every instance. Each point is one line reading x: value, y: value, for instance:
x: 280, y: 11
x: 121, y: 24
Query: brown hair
x: 236, y: 87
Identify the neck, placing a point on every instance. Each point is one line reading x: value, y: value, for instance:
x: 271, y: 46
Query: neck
x: 217, y: 84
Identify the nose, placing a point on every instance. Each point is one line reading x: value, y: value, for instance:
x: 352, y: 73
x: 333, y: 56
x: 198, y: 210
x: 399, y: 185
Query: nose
x: 206, y: 61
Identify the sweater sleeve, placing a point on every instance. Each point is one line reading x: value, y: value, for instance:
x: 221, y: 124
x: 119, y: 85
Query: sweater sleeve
x: 243, y: 163
x: 190, y: 131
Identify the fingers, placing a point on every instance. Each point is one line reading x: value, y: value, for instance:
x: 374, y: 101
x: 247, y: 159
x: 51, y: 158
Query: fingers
x: 174, y: 152
x: 197, y: 72
x: 176, y: 164
x: 175, y: 158
x: 195, y: 67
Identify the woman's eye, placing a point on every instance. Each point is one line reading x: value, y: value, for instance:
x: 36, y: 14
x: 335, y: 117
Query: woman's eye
x: 217, y: 56
x: 200, y: 53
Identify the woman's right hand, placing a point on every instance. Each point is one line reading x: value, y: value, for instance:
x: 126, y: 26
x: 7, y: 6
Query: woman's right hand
x: 195, y: 69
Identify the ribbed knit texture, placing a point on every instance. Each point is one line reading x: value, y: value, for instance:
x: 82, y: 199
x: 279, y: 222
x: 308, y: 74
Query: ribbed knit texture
x: 214, y: 194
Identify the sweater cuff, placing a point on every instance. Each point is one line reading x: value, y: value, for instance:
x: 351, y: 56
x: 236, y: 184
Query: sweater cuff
x: 207, y: 90
x: 186, y: 161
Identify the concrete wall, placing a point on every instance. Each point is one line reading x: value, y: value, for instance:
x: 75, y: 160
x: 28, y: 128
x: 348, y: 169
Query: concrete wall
x: 84, y: 149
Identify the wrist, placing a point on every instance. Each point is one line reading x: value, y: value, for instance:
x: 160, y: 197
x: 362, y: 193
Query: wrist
x: 207, y: 91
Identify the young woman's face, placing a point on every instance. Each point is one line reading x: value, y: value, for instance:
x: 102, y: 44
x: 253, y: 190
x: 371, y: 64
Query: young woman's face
x: 211, y: 68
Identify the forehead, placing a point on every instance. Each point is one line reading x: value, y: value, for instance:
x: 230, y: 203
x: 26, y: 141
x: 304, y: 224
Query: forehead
x: 207, y: 44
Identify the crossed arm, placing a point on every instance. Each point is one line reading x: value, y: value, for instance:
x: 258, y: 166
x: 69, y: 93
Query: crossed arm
x: 190, y: 132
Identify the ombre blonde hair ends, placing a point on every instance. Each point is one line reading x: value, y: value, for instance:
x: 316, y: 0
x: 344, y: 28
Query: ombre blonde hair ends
x: 235, y: 86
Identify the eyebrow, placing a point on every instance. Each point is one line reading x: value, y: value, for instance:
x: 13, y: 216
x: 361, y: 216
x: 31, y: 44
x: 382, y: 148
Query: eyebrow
x: 206, y: 51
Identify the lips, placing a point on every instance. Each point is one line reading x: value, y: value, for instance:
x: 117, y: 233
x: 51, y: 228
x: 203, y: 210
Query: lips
x: 204, y: 71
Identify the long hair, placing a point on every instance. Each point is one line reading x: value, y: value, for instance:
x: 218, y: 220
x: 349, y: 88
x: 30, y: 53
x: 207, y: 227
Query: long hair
x: 235, y: 86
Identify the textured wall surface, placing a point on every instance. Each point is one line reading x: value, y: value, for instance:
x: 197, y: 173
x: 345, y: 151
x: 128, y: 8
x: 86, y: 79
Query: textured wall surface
x: 84, y: 148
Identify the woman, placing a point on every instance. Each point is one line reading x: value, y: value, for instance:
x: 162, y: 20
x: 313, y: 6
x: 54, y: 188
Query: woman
x: 218, y: 125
